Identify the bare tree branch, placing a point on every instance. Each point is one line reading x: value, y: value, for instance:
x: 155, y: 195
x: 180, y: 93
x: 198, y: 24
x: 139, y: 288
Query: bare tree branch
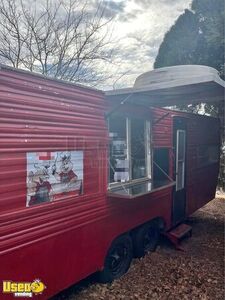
x: 61, y: 38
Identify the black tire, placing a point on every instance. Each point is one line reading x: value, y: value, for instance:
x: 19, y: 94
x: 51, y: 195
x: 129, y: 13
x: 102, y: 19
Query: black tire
x: 118, y: 259
x: 145, y: 239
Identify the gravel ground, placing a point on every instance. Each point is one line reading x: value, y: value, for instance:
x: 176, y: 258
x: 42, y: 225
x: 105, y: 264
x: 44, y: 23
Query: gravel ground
x: 197, y: 273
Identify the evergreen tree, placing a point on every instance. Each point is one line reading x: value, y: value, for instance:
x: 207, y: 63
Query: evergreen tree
x: 197, y: 37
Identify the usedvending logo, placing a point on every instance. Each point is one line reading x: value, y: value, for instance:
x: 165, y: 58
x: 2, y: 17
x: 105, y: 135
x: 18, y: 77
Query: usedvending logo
x: 23, y: 289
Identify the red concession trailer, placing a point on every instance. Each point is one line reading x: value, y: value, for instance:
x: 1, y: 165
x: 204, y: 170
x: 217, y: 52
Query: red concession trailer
x: 87, y: 182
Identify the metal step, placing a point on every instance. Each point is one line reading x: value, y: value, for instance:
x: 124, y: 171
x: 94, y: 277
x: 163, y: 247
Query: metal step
x: 177, y: 233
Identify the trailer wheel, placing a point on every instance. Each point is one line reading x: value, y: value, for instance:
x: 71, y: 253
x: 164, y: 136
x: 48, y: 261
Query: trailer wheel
x: 145, y: 239
x: 117, y: 260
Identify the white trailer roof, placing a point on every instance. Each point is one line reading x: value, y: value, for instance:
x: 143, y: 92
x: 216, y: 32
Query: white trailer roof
x: 173, y: 85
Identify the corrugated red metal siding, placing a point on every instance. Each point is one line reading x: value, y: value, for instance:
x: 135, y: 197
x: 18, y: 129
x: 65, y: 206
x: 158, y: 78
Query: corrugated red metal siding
x: 39, y: 115
x: 162, y: 133
x: 201, y: 130
x: 43, y: 115
x: 162, y: 128
x: 201, y: 181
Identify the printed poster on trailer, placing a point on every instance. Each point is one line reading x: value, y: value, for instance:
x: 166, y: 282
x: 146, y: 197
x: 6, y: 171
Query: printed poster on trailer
x: 53, y: 175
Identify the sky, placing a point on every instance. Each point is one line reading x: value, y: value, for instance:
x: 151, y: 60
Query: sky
x: 138, y: 30
x: 135, y: 29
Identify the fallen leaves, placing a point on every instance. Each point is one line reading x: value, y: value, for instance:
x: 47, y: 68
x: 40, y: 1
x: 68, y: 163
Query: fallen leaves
x: 197, y: 273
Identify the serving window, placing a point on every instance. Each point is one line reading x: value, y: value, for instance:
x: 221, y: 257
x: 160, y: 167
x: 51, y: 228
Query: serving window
x: 130, y: 156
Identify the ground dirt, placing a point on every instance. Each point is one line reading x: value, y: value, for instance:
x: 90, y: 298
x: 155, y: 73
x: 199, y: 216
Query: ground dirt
x: 196, y: 273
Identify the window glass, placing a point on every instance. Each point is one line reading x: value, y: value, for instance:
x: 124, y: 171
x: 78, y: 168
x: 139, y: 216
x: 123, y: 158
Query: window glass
x: 181, y: 145
x: 138, y: 148
x: 119, y: 166
x: 180, y: 177
x: 180, y: 159
x: 129, y: 152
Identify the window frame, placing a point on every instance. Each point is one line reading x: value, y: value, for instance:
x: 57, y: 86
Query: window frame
x: 148, y: 152
x: 180, y: 160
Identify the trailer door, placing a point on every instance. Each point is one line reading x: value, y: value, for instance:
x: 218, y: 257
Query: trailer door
x: 179, y: 198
